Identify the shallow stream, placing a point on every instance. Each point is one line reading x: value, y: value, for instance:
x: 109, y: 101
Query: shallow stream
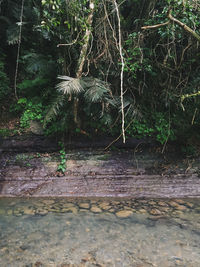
x: 82, y: 232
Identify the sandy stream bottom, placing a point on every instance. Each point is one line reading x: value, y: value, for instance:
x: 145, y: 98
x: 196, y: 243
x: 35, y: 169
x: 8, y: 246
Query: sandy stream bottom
x: 81, y: 233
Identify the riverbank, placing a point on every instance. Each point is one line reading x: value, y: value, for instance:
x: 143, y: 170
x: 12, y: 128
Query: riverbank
x: 137, y: 172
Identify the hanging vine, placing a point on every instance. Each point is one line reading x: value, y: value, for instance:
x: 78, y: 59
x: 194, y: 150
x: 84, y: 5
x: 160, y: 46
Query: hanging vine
x: 122, y: 69
x: 18, y: 48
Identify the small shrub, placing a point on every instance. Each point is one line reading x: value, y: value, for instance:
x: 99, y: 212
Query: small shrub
x: 62, y: 164
x: 33, y: 110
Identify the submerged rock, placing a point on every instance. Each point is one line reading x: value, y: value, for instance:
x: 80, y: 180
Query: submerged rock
x: 155, y: 212
x: 104, y: 206
x: 96, y: 209
x: 124, y: 213
x: 29, y: 211
x: 84, y: 205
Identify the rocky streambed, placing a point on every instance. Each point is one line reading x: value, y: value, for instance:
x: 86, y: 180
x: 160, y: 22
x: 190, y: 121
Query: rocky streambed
x: 158, y: 208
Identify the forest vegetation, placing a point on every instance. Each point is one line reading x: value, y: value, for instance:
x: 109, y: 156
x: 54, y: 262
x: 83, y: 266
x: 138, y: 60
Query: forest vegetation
x: 123, y: 68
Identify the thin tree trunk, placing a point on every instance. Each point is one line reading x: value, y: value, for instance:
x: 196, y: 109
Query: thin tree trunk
x: 83, y: 55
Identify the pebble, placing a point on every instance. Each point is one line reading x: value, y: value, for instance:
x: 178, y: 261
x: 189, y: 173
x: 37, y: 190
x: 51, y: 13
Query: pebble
x: 189, y: 204
x: 173, y: 204
x: 28, y: 211
x: 111, y: 210
x: 164, y: 209
x: 152, y: 202
x: 72, y: 209
x: 104, y: 205
x: 124, y: 213
x: 2, y: 211
x: 42, y: 212
x: 68, y: 205
x: 84, y: 205
x: 17, y: 213
x: 181, y: 207
x: 95, y: 209
x: 142, y: 211
x: 9, y: 212
x: 4, y: 250
x: 83, y: 210
x: 177, y: 212
x: 162, y: 204
x: 180, y: 201
x: 155, y: 212
x: 48, y: 201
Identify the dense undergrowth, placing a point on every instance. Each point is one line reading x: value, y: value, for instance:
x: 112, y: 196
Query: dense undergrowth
x: 161, y: 72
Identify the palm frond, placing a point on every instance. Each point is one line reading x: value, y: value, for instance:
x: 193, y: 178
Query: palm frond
x: 54, y: 109
x: 106, y: 119
x: 12, y: 34
x: 38, y: 63
x: 70, y: 85
x: 97, y: 90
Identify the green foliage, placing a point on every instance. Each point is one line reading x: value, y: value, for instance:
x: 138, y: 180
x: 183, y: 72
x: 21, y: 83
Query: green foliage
x: 28, y: 85
x: 4, y: 83
x: 156, y: 126
x: 8, y: 132
x: 32, y: 110
x: 189, y: 150
x: 23, y: 160
x: 62, y: 154
x: 162, y: 128
x: 136, y: 59
x: 93, y: 94
x: 140, y: 129
x: 36, y: 63
x: 161, y: 67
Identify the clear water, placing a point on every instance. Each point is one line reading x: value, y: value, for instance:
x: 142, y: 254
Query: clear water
x: 59, y: 232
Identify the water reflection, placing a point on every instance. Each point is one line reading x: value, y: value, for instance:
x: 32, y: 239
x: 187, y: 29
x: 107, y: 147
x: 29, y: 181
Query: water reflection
x: 61, y: 232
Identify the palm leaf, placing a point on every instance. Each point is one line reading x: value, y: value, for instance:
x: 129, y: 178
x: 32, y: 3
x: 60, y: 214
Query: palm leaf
x: 70, y: 85
x: 54, y: 109
x: 97, y: 90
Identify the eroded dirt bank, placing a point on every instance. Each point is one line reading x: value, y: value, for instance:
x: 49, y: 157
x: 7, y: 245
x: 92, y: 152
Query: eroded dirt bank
x: 135, y: 173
